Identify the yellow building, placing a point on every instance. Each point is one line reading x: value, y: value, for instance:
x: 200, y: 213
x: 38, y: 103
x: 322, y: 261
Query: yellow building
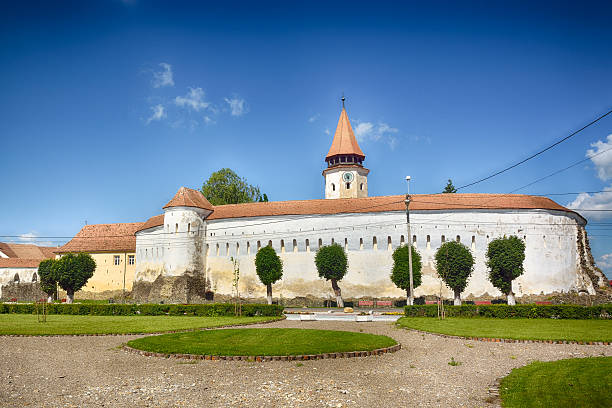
x: 113, y: 247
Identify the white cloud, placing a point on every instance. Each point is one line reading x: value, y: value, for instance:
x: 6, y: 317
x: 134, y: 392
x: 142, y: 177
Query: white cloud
x: 194, y: 100
x: 605, y: 261
x: 32, y: 238
x: 313, y: 118
x: 209, y: 121
x: 380, y: 132
x: 28, y: 237
x: 238, y: 106
x: 327, y: 132
x: 159, y: 113
x: 163, y: 77
x: 602, y: 162
x: 364, y: 131
x: 596, y: 201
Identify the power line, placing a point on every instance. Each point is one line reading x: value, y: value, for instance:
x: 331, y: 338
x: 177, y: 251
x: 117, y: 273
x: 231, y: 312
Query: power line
x: 538, y: 153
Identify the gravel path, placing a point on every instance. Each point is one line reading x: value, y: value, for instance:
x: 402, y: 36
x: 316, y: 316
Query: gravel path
x: 93, y: 372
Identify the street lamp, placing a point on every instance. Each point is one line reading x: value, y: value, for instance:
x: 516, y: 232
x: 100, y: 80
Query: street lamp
x: 407, y: 201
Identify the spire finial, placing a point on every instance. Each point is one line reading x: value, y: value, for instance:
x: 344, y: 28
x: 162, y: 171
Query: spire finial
x: 343, y: 99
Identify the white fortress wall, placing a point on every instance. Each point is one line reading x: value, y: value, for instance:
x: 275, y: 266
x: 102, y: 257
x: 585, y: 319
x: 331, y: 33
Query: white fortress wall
x: 551, y: 256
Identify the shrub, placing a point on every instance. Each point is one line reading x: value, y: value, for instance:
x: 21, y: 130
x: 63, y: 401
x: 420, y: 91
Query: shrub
x: 505, y: 258
x: 400, y: 274
x: 526, y: 311
x: 211, y: 310
x: 269, y: 268
x: 454, y: 263
x: 332, y: 264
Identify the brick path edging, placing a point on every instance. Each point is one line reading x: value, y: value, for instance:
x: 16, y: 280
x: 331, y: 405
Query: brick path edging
x: 500, y: 340
x: 147, y: 333
x: 261, y: 359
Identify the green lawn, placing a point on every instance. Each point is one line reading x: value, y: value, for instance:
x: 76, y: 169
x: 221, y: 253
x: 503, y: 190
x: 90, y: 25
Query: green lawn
x: 71, y: 324
x: 526, y: 329
x: 262, y: 342
x: 580, y: 382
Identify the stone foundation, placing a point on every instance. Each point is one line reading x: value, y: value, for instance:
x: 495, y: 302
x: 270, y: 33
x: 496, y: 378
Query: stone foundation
x: 187, y: 288
x: 22, y: 291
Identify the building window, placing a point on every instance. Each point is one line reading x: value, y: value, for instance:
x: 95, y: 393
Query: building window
x: 282, y: 246
x: 175, y: 228
x: 116, y: 259
x: 389, y: 245
x: 473, y: 242
x: 270, y: 243
x: 361, y: 186
x: 428, y: 242
x: 332, y: 241
x: 237, y: 248
x: 374, y: 244
x: 217, y: 249
x: 248, y: 248
x: 360, y: 244
x: 258, y: 245
x: 333, y: 187
x: 227, y: 249
x: 130, y: 259
x: 443, y: 239
x: 295, y: 246
x: 320, y: 243
x: 346, y: 244
x: 414, y: 240
x: 188, y: 227
x: 348, y: 186
x: 458, y: 238
x: 307, y: 245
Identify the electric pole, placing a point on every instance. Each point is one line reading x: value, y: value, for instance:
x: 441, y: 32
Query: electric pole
x: 411, y: 295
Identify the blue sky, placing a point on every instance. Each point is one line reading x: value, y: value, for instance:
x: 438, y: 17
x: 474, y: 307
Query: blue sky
x: 108, y: 107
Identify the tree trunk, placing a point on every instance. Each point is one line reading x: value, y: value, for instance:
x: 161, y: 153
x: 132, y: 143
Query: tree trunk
x: 269, y: 293
x: 69, y: 296
x: 457, y: 301
x: 50, y: 299
x: 511, y: 299
x: 338, y: 293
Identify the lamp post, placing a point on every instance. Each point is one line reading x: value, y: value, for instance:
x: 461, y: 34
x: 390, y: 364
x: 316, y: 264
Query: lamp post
x: 407, y: 201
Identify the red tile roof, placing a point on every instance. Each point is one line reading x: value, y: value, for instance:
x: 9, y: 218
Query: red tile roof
x: 26, y: 251
x: 186, y: 197
x: 420, y: 202
x: 103, y: 238
x: 24, y: 255
x: 19, y: 263
x: 344, y: 139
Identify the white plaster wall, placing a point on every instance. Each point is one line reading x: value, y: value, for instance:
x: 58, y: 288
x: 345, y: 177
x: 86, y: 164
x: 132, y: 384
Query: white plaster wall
x: 175, y: 247
x: 551, y: 254
x: 334, y: 176
x: 7, y: 275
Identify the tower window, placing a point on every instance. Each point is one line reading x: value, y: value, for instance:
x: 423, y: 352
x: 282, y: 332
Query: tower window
x: 374, y: 244
x: 189, y: 227
x: 295, y: 245
x: 361, y: 186
x: 443, y: 239
x: 282, y: 246
x: 360, y: 243
x: 176, y: 228
x: 320, y: 243
x: 333, y: 187
x: 348, y: 185
x: 307, y: 245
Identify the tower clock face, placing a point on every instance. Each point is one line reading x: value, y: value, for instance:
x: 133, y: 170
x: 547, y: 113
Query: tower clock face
x: 347, y: 177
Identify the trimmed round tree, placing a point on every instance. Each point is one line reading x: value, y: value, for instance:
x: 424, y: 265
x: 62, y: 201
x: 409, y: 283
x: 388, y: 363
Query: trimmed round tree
x: 454, y: 263
x: 400, y: 274
x: 505, y: 258
x: 269, y: 268
x: 48, y: 278
x: 332, y: 264
x: 73, y: 272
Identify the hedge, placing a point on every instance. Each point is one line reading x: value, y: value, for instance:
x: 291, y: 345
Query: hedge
x: 213, y: 309
x: 526, y: 311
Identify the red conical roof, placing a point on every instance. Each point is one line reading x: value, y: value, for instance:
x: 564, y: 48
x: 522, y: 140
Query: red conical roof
x: 187, y: 197
x: 344, y: 142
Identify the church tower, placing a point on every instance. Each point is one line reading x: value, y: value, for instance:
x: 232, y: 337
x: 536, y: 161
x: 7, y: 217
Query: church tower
x: 345, y: 176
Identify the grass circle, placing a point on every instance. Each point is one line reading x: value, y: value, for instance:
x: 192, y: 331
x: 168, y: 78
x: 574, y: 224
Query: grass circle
x: 262, y: 342
x: 579, y: 382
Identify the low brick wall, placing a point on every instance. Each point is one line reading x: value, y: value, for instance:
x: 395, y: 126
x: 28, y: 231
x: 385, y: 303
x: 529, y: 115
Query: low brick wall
x: 262, y: 359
